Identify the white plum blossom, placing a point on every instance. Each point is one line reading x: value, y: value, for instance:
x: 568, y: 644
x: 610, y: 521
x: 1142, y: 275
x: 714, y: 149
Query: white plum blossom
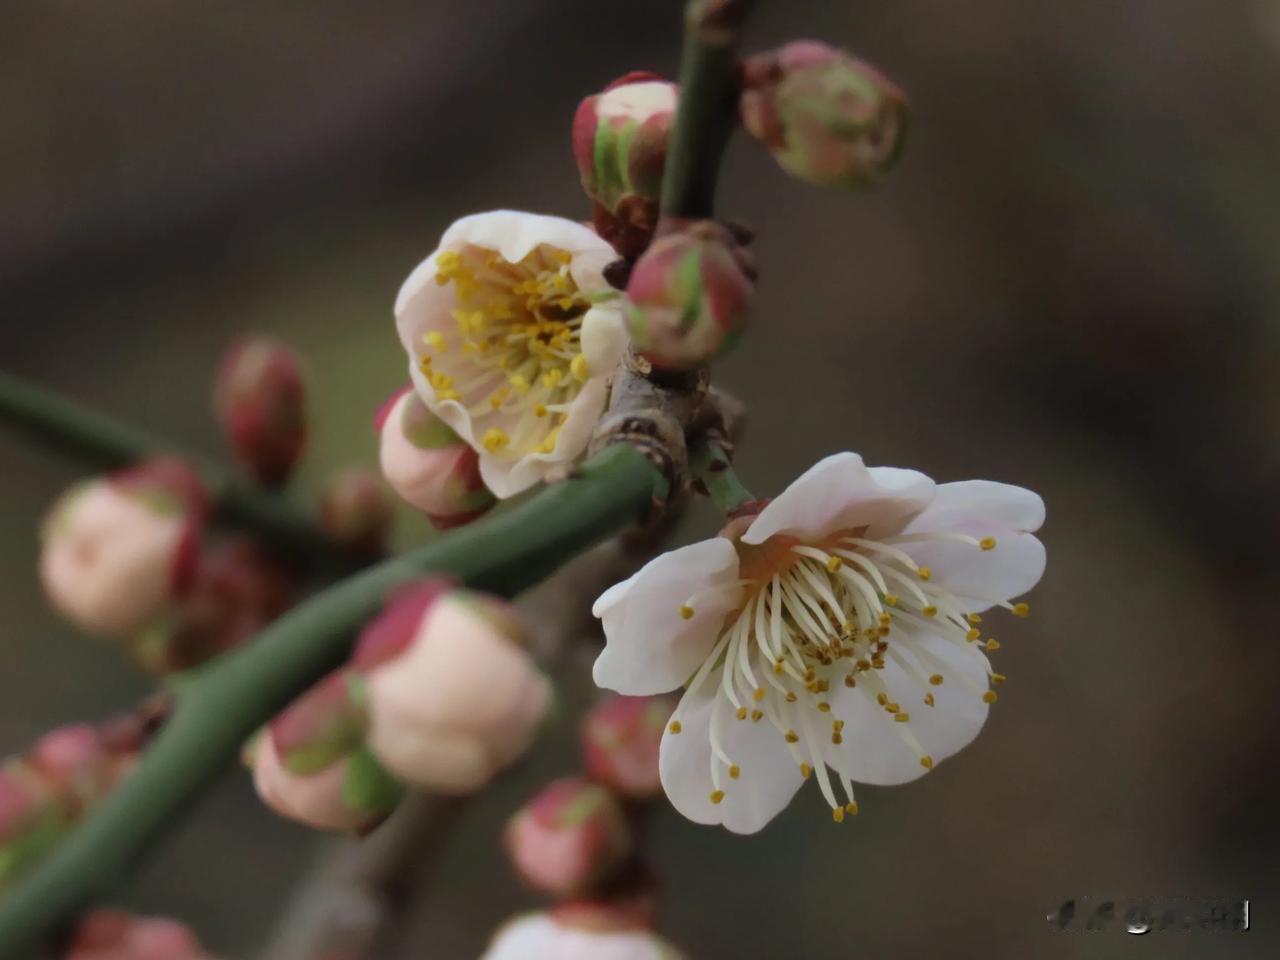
x: 513, y: 334
x: 835, y: 632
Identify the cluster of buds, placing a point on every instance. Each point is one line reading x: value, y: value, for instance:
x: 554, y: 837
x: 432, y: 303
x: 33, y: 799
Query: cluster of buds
x: 356, y: 512
x: 48, y: 790
x: 620, y: 143
x: 440, y: 694
x: 688, y: 294
x: 428, y: 464
x: 578, y: 930
x: 113, y: 935
x: 118, y: 550
x: 827, y: 117
x: 260, y: 401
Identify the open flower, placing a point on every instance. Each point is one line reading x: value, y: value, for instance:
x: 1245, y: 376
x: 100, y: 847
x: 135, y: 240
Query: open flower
x: 833, y: 632
x: 512, y: 334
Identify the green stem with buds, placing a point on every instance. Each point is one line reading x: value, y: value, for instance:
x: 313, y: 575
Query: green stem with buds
x: 710, y: 465
x: 708, y: 109
x: 104, y: 443
x: 222, y: 705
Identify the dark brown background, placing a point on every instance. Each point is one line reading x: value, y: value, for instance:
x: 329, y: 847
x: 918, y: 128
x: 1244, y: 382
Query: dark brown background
x: 1069, y: 284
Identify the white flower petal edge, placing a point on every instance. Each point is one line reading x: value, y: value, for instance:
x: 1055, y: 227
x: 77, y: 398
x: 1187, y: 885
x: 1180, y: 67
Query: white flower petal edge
x: 653, y: 646
x: 839, y: 637
x: 539, y: 936
x: 512, y: 335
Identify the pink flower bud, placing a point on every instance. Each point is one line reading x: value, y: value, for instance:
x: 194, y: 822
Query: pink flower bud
x: 688, y: 295
x: 428, y: 464
x: 578, y: 930
x: 453, y: 695
x: 827, y: 117
x: 620, y: 740
x: 569, y: 837
x: 113, y: 935
x: 355, y: 510
x: 117, y: 550
x: 260, y: 400
x: 620, y: 144
x: 237, y: 589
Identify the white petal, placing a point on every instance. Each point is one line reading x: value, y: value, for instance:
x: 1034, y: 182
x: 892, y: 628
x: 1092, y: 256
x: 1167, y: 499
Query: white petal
x: 649, y: 647
x: 770, y: 776
x: 1010, y: 506
x: 603, y: 338
x: 839, y: 493
x: 514, y: 234
x: 875, y: 749
x: 981, y: 577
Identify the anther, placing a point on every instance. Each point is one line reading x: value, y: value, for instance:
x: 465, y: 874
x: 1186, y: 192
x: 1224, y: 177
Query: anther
x: 928, y: 699
x: 792, y: 737
x: 993, y: 644
x: 927, y: 762
x: 998, y: 678
x: 686, y: 612
x: 758, y: 695
x: 837, y: 814
x: 834, y: 564
x: 717, y: 796
x: 742, y: 713
x: 756, y: 715
x: 901, y: 717
x: 674, y: 726
x: 735, y: 772
x: 1021, y: 610
x: 936, y: 680
x: 851, y: 808
x: 990, y: 697
x: 924, y: 573
x: 806, y: 771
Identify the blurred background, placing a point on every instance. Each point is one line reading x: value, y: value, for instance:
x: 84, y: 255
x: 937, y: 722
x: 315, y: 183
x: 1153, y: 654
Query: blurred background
x: 1070, y: 283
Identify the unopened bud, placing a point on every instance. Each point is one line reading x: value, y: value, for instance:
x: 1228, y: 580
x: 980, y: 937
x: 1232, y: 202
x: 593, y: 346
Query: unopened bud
x: 827, y: 117
x: 113, y: 935
x: 453, y: 695
x: 428, y: 464
x: 688, y: 295
x: 260, y: 400
x: 620, y: 741
x: 117, y: 550
x: 355, y: 510
x: 569, y: 837
x: 237, y: 589
x: 620, y: 143
x: 578, y: 930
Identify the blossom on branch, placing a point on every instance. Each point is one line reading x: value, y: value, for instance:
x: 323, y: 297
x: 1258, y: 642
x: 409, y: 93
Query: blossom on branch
x: 513, y: 334
x: 620, y: 740
x: 114, y: 935
x: 260, y: 399
x: 835, y: 632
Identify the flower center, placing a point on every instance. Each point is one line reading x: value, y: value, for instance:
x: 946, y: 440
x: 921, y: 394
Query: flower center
x: 514, y: 357
x: 834, y: 613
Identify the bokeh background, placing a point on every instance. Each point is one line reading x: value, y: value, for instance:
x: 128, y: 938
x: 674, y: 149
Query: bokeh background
x: 1070, y: 283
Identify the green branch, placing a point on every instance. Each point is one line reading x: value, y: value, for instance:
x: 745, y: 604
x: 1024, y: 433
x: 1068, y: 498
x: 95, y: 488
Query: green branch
x: 709, y: 463
x: 225, y: 702
x: 707, y: 113
x: 104, y: 443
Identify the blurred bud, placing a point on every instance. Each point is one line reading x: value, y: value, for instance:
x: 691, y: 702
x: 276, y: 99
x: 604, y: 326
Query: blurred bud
x: 45, y: 793
x: 688, y: 295
x: 355, y: 510
x: 620, y: 143
x: 112, y: 935
x: 117, y: 550
x: 620, y: 740
x: 237, y: 589
x: 453, y: 695
x: 260, y: 401
x: 569, y: 837
x: 428, y: 464
x: 311, y: 764
x: 827, y: 117
x: 577, y: 930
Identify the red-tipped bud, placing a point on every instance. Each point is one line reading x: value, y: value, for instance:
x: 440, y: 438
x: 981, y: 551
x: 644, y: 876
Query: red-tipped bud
x: 620, y: 740
x: 620, y: 143
x: 688, y: 295
x: 453, y: 694
x: 569, y: 837
x: 260, y: 400
x: 355, y: 510
x: 112, y: 935
x: 118, y: 550
x: 311, y: 764
x: 237, y: 589
x: 428, y: 464
x: 827, y: 117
